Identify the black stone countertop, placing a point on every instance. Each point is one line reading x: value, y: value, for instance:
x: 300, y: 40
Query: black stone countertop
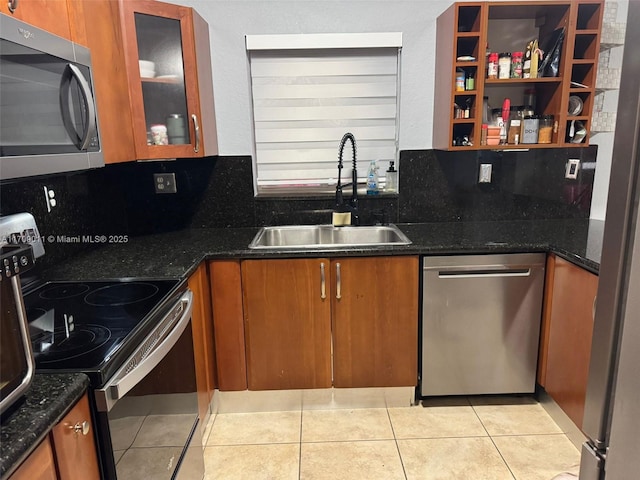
x: 48, y: 399
x: 177, y: 254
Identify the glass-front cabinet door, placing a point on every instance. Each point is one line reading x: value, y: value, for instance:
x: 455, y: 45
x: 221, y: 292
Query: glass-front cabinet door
x: 163, y: 79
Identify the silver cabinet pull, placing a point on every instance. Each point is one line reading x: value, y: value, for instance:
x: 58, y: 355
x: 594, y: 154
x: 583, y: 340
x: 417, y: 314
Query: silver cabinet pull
x: 323, y: 285
x: 338, y: 282
x: 593, y: 308
x: 196, y: 127
x: 81, y: 428
x: 12, y: 5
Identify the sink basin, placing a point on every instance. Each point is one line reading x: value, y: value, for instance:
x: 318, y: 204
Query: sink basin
x: 327, y: 236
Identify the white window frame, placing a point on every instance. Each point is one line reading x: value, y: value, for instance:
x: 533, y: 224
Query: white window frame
x: 315, y: 140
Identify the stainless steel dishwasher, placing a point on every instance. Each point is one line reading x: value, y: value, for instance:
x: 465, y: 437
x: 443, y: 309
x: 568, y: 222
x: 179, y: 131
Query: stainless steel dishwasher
x: 481, y: 323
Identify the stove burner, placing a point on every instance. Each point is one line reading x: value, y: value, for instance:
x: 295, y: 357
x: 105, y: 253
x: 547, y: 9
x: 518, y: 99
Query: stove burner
x: 66, y: 343
x: 121, y: 294
x: 65, y: 290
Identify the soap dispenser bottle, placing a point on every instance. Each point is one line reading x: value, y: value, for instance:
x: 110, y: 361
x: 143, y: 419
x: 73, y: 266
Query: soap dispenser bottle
x: 391, y: 179
x: 372, y: 179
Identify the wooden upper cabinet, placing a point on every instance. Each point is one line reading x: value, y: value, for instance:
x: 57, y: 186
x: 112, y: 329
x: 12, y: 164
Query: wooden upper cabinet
x: 39, y: 465
x: 467, y: 31
x: 287, y: 315
x: 110, y: 82
x: 375, y: 321
x: 49, y: 15
x: 570, y: 333
x: 173, y: 87
x: 74, y: 444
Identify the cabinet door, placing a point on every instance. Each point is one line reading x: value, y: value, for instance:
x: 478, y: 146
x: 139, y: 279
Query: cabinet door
x: 110, y: 81
x: 570, y: 334
x: 375, y: 321
x: 74, y: 444
x: 202, y: 325
x: 49, y: 15
x: 165, y: 88
x: 287, y: 315
x: 38, y: 465
x: 228, y: 324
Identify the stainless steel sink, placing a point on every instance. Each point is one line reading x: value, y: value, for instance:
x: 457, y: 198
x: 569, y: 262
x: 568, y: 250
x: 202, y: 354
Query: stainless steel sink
x: 327, y: 236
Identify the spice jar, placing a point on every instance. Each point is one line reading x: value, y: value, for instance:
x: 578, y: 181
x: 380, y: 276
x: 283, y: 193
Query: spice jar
x: 459, y: 80
x: 513, y: 134
x: 504, y: 65
x: 530, y: 126
x: 516, y: 65
x: 492, y: 69
x: 545, y: 131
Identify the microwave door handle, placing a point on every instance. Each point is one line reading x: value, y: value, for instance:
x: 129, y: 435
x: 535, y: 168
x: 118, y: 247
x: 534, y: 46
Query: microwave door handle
x: 87, y: 98
x: 114, y: 390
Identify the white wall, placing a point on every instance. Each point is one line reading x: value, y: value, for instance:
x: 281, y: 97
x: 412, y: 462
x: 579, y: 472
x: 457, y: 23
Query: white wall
x: 230, y: 20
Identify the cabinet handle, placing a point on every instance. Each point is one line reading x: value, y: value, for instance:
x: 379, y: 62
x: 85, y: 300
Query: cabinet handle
x: 593, y: 308
x: 196, y: 127
x: 323, y: 286
x: 81, y: 428
x: 12, y: 5
x: 338, y: 282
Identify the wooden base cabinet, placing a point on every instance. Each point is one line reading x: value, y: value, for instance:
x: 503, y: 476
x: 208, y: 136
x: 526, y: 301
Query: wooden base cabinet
x: 299, y: 311
x: 67, y: 453
x: 203, y: 342
x: 228, y: 324
x: 375, y: 314
x: 287, y: 317
x: 39, y: 465
x: 570, y: 331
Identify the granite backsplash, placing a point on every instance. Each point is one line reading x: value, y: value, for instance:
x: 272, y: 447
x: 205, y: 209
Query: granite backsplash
x: 214, y: 192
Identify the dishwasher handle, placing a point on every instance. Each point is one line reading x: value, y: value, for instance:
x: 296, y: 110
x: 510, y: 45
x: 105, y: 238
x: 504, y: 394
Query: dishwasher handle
x: 484, y: 273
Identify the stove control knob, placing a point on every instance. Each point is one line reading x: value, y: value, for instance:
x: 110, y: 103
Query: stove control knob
x: 24, y: 260
x: 82, y: 428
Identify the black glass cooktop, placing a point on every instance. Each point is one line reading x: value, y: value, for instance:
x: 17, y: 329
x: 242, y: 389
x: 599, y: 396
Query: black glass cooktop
x: 81, y: 326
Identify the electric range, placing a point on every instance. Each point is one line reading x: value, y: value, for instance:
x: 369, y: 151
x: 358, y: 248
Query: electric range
x: 134, y: 340
x: 89, y: 326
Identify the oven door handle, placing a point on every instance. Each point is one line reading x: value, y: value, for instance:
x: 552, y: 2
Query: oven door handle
x: 127, y: 376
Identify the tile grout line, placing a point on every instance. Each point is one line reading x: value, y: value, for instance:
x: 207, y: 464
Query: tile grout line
x: 473, y: 407
x: 300, y: 447
x: 395, y: 439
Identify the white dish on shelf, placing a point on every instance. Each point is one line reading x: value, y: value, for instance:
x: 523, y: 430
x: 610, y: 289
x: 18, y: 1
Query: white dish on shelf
x: 575, y: 105
x: 147, y: 73
x: 146, y: 65
x: 167, y: 77
x: 466, y: 58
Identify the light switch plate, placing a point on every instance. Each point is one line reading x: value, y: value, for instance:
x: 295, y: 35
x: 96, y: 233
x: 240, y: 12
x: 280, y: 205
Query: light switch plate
x: 165, y: 182
x: 485, y: 173
x: 573, y: 165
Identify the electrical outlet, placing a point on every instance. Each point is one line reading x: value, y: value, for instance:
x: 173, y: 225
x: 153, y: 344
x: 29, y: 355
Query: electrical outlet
x: 485, y: 173
x: 573, y: 165
x: 50, y: 198
x: 165, y: 182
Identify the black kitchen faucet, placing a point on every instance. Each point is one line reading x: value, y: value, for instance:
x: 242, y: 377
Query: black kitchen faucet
x: 352, y: 206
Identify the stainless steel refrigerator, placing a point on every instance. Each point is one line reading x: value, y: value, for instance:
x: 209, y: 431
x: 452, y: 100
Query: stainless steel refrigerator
x: 612, y: 411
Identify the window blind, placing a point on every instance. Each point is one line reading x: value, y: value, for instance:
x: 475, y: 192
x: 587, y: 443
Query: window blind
x: 305, y: 100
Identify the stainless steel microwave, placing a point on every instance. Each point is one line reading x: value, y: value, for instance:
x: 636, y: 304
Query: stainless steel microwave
x: 48, y: 118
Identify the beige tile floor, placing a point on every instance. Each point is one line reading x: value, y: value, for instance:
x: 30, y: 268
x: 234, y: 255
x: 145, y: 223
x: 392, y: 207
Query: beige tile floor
x: 471, y: 438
